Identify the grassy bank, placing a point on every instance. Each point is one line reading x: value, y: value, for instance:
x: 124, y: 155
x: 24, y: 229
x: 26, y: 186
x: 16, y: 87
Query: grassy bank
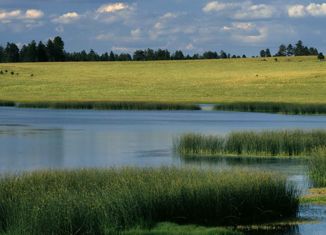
x: 104, y: 201
x: 266, y: 143
x: 299, y: 80
x: 315, y: 196
x: 283, y: 108
x: 108, y: 105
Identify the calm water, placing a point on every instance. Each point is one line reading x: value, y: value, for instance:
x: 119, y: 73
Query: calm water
x: 33, y: 139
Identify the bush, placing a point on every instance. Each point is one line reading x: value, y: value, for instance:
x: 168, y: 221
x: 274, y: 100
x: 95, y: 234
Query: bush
x: 321, y: 56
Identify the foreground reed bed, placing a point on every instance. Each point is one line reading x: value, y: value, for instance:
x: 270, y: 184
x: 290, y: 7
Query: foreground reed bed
x: 107, y: 201
x: 317, y: 168
x: 266, y: 143
x: 109, y: 105
x: 284, y: 108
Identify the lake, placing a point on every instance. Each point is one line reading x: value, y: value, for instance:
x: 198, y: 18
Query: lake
x: 33, y: 139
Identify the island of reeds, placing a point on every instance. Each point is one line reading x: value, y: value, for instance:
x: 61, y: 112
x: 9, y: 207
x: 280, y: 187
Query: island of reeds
x: 282, y: 143
x: 121, y: 200
x: 317, y: 175
x: 271, y: 107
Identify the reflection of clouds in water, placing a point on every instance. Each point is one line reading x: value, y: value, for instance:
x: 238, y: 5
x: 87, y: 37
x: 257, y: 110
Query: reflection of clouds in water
x: 27, y: 149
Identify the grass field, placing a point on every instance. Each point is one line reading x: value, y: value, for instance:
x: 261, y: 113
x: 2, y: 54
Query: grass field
x: 300, y: 80
x: 107, y: 201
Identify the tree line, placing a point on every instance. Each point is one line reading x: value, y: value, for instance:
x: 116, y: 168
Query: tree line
x: 299, y: 49
x: 53, y: 50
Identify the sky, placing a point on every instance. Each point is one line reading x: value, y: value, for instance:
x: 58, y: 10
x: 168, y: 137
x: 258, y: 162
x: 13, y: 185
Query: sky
x: 193, y: 26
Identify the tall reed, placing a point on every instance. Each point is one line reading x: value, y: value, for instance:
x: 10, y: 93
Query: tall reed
x: 109, y: 105
x: 272, y: 107
x: 6, y: 103
x: 317, y: 167
x: 265, y: 143
x: 107, y: 201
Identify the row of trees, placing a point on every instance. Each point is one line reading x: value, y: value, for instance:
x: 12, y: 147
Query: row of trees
x: 53, y: 50
x: 297, y: 50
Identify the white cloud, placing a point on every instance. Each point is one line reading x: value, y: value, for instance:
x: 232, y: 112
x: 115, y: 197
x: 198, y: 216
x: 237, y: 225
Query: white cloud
x: 190, y: 46
x: 33, y: 14
x: 216, y: 6
x: 243, y: 26
x: 8, y: 15
x: 297, y: 11
x: 312, y: 9
x: 67, y: 18
x: 316, y: 9
x: 260, y: 11
x: 114, y: 7
x: 135, y: 33
x: 261, y: 36
x: 105, y: 37
x: 30, y: 14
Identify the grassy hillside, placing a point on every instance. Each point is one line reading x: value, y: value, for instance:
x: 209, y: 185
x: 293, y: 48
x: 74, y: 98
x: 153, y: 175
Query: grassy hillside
x: 291, y: 80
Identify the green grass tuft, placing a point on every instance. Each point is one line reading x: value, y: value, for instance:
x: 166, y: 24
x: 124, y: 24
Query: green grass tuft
x: 266, y: 143
x: 317, y: 168
x: 99, y: 201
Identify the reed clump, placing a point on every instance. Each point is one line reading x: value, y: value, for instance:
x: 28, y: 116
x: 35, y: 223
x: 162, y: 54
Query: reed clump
x: 107, y: 201
x: 266, y: 143
x: 109, y: 105
x: 283, y: 108
x: 4, y: 103
x: 317, y: 167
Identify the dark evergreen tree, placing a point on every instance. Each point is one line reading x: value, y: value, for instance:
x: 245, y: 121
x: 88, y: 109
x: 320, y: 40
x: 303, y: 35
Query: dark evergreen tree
x: 139, y: 55
x: 50, y: 50
x: 299, y: 49
x: 268, y: 53
x: 178, y: 55
x: 11, y: 53
x: 282, y: 51
x: 210, y: 55
x: 59, y: 53
x: 262, y: 53
x: 290, y: 50
x: 223, y: 55
x: 2, y: 54
x: 112, y: 56
x: 150, y: 54
x: 41, y: 52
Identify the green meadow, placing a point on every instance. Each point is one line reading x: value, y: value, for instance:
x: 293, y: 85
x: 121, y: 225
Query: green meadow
x: 297, y: 80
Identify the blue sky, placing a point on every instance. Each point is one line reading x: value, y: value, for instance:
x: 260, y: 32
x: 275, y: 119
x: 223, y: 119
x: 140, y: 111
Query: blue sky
x: 190, y: 25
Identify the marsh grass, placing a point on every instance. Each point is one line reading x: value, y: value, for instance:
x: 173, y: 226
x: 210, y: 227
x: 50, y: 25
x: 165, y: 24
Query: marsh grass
x: 4, y: 103
x: 107, y: 201
x: 317, y: 168
x: 283, y: 108
x: 247, y: 143
x: 109, y: 105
